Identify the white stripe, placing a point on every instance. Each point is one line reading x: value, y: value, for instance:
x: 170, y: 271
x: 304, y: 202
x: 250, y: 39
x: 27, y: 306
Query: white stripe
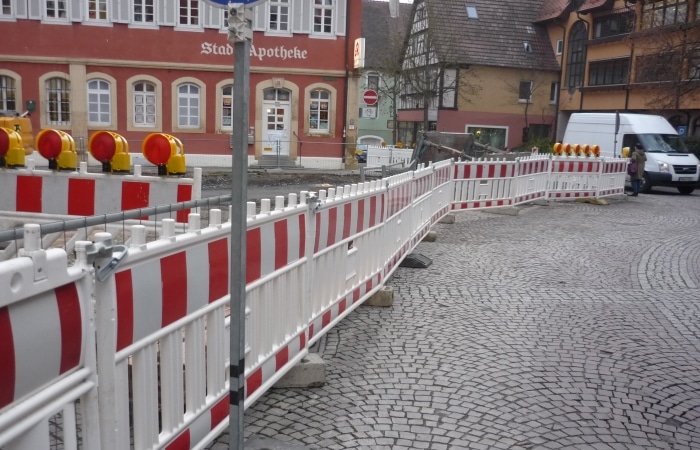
x: 36, y: 331
x: 200, y: 427
x: 148, y: 298
x: 354, y: 207
x: 197, y: 277
x: 54, y: 195
x: 339, y: 222
x: 322, y: 230
x: 267, y: 248
x: 108, y: 194
x: 269, y: 368
x: 8, y: 185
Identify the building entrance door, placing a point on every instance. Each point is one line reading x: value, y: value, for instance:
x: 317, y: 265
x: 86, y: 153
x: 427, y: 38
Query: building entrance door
x: 276, y: 133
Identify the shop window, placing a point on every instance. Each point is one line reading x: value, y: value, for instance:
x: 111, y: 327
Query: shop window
x: 278, y: 17
x: 323, y: 17
x: 525, y: 92
x: 144, y: 104
x: 664, y: 12
x: 319, y: 111
x: 97, y: 10
x: 226, y: 109
x: 99, y: 103
x: 189, y: 13
x: 144, y: 12
x: 188, y: 105
x: 55, y: 9
x: 6, y: 8
x: 576, y: 57
x: 614, y: 71
x: 8, y: 91
x: 489, y: 135
x: 57, y: 101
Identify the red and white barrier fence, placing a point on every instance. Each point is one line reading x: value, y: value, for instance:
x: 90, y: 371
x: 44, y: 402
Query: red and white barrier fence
x: 161, y: 327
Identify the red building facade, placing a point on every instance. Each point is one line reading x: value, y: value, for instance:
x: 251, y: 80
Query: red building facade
x: 141, y: 66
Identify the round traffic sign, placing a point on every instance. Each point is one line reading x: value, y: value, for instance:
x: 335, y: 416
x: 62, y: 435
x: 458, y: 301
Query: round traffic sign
x: 370, y: 97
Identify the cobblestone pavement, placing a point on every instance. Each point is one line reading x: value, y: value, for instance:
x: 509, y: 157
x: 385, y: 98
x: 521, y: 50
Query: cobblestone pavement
x: 568, y: 326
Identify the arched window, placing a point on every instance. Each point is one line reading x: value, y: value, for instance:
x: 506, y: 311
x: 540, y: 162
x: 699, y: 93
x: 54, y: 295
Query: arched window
x: 99, y: 103
x: 188, y: 105
x: 227, y: 107
x: 57, y: 101
x: 319, y: 109
x: 576, y: 57
x: 8, y: 92
x: 144, y: 102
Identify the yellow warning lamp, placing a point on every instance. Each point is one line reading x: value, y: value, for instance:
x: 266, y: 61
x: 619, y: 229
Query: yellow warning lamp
x: 558, y: 148
x: 23, y: 126
x: 58, y: 147
x: 595, y: 149
x: 166, y: 152
x: 586, y: 150
x: 112, y: 150
x: 577, y: 149
x: 625, y: 152
x: 11, y: 148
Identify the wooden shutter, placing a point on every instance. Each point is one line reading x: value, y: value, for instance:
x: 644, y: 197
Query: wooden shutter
x: 76, y: 10
x: 20, y: 9
x: 213, y: 16
x: 166, y: 12
x: 301, y: 16
x: 340, y: 16
x: 260, y: 17
x: 120, y: 11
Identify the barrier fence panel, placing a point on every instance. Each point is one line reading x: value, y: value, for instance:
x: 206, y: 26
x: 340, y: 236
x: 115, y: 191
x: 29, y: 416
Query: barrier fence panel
x: 398, y: 226
x: 531, y: 179
x: 385, y: 156
x: 48, y: 349
x: 347, y: 268
x: 89, y: 194
x: 483, y: 184
x: 574, y: 177
x: 612, y: 179
x: 441, y: 196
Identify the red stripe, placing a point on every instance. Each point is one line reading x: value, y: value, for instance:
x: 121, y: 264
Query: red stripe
x: 173, y: 278
x: 135, y: 195
x: 302, y: 340
x: 184, y: 193
x: 504, y: 170
x: 220, y: 411
x: 368, y: 286
x: 492, y: 171
x: 317, y: 237
x: 311, y: 331
x: 326, y: 319
x: 181, y: 442
x: 253, y: 382
x: 281, y: 358
x: 71, y: 326
x: 81, y: 197
x: 467, y: 172
x: 7, y: 356
x: 479, y: 171
x: 302, y: 235
x: 341, y: 306
x: 253, y: 255
x: 218, y: 269
x: 332, y: 224
x: 356, y: 295
x: 361, y: 215
x: 28, y: 195
x: 281, y: 244
x: 381, y: 211
x: 347, y: 217
x: 125, y: 309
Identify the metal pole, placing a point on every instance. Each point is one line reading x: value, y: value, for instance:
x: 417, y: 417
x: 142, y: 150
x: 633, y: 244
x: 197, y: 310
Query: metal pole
x: 239, y: 184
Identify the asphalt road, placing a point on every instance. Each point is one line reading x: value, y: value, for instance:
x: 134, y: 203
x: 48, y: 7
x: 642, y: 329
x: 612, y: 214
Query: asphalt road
x: 568, y: 326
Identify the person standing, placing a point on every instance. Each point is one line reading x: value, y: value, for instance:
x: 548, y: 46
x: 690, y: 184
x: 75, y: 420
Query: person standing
x: 640, y: 157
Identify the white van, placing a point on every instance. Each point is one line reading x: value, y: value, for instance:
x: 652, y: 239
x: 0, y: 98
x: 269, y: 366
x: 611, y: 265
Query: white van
x: 668, y: 161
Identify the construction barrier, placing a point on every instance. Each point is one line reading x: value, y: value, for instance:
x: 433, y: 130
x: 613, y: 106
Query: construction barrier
x: 378, y: 156
x: 160, y: 342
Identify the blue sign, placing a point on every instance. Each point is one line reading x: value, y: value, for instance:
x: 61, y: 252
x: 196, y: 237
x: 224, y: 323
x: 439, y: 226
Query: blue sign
x: 682, y: 130
x: 225, y: 3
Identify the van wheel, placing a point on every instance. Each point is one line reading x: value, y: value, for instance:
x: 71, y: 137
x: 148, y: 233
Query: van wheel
x: 645, y: 187
x: 685, y: 190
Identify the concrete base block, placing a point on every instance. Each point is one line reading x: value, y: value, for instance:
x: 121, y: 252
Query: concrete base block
x: 448, y: 219
x: 383, y: 297
x: 430, y: 237
x: 593, y: 201
x: 507, y: 211
x: 540, y: 202
x: 309, y: 372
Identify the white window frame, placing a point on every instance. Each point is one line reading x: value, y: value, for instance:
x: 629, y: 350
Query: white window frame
x: 97, y: 6
x: 192, y: 5
x: 149, y: 99
x: 331, y: 102
x: 131, y: 100
x: 368, y: 84
x: 144, y: 4
x: 188, y: 98
x: 560, y: 47
x: 554, y: 93
x: 220, y: 108
x: 472, y: 12
x: 524, y: 100
x: 63, y: 96
x: 270, y: 4
x: 7, y: 10
x: 52, y: 10
x: 4, y: 89
x: 327, y: 12
x: 104, y: 105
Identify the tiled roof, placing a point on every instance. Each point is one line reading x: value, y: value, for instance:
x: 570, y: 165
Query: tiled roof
x: 495, y: 38
x: 552, y: 9
x: 590, y: 5
x: 384, y: 35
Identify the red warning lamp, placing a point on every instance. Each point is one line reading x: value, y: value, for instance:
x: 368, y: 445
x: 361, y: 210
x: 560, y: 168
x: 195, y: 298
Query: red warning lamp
x: 58, y: 147
x: 112, y: 150
x: 158, y: 148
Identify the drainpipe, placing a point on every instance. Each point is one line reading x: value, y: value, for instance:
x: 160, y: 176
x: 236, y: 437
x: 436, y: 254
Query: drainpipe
x: 347, y: 82
x: 561, y: 76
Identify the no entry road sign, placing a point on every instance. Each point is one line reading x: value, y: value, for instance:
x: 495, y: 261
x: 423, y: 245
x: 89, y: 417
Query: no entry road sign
x: 370, y: 97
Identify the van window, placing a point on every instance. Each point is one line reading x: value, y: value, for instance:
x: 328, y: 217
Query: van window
x: 664, y: 143
x: 629, y: 140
